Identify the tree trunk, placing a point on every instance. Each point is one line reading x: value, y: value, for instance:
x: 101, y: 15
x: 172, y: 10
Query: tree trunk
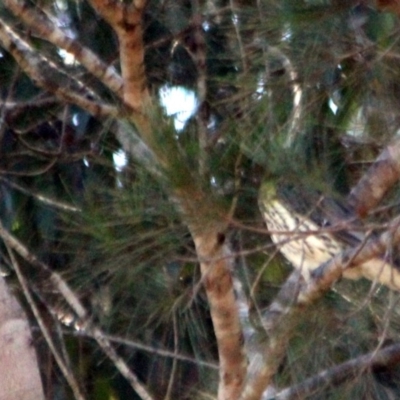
x: 19, y: 372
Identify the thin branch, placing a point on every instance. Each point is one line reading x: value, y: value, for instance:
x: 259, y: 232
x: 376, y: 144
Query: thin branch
x: 279, y: 320
x: 153, y: 350
x: 242, y: 298
x: 363, y: 256
x: 388, y: 356
x: 39, y: 23
x: 294, y: 121
x: 174, y: 361
x: 3, y: 111
x: 261, y: 272
x: 135, y: 146
x: 120, y: 364
x: 36, y: 103
x: 283, y: 315
x: 40, y: 197
x: 48, y: 76
x: 33, y: 172
x: 68, y: 374
x: 198, y: 54
x: 63, y: 288
x: 235, y: 20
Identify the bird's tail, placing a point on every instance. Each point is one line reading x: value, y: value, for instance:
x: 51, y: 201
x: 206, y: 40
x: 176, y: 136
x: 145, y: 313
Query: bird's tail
x: 382, y: 271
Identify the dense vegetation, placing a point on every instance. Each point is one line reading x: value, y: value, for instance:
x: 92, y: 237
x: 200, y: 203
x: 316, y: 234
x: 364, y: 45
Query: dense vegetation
x: 167, y: 252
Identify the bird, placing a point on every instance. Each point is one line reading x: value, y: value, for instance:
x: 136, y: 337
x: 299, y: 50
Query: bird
x: 309, y: 229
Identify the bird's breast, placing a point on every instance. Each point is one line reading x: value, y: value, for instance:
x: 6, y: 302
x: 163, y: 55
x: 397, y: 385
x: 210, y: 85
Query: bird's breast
x: 302, y: 242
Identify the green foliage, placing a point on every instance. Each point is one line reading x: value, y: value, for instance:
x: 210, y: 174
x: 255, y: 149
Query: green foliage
x: 300, y: 90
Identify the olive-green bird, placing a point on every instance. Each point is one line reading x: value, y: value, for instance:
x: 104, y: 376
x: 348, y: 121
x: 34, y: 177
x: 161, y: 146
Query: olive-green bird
x: 314, y: 229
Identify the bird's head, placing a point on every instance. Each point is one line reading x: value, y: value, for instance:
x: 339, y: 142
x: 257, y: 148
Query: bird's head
x: 268, y: 191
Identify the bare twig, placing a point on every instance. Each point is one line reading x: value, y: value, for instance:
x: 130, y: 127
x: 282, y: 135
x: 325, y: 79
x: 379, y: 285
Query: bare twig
x: 40, y: 197
x: 66, y: 371
x: 388, y: 356
x: 32, y: 172
x: 153, y: 350
x: 36, y: 103
x: 198, y: 54
x: 48, y: 76
x: 174, y: 361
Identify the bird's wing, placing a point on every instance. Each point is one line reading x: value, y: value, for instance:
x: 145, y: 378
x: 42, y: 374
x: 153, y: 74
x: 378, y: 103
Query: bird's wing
x: 326, y: 212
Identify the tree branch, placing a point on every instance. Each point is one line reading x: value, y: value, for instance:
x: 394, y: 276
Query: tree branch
x: 126, y: 20
x: 87, y: 324
x: 215, y: 266
x: 153, y: 350
x: 66, y: 371
x: 388, y: 356
x: 376, y: 182
x: 39, y: 23
x: 283, y: 315
x: 206, y: 228
x: 43, y: 199
x: 49, y: 76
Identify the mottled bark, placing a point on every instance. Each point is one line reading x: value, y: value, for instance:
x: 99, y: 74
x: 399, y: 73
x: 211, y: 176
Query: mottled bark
x: 126, y: 20
x: 215, y: 261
